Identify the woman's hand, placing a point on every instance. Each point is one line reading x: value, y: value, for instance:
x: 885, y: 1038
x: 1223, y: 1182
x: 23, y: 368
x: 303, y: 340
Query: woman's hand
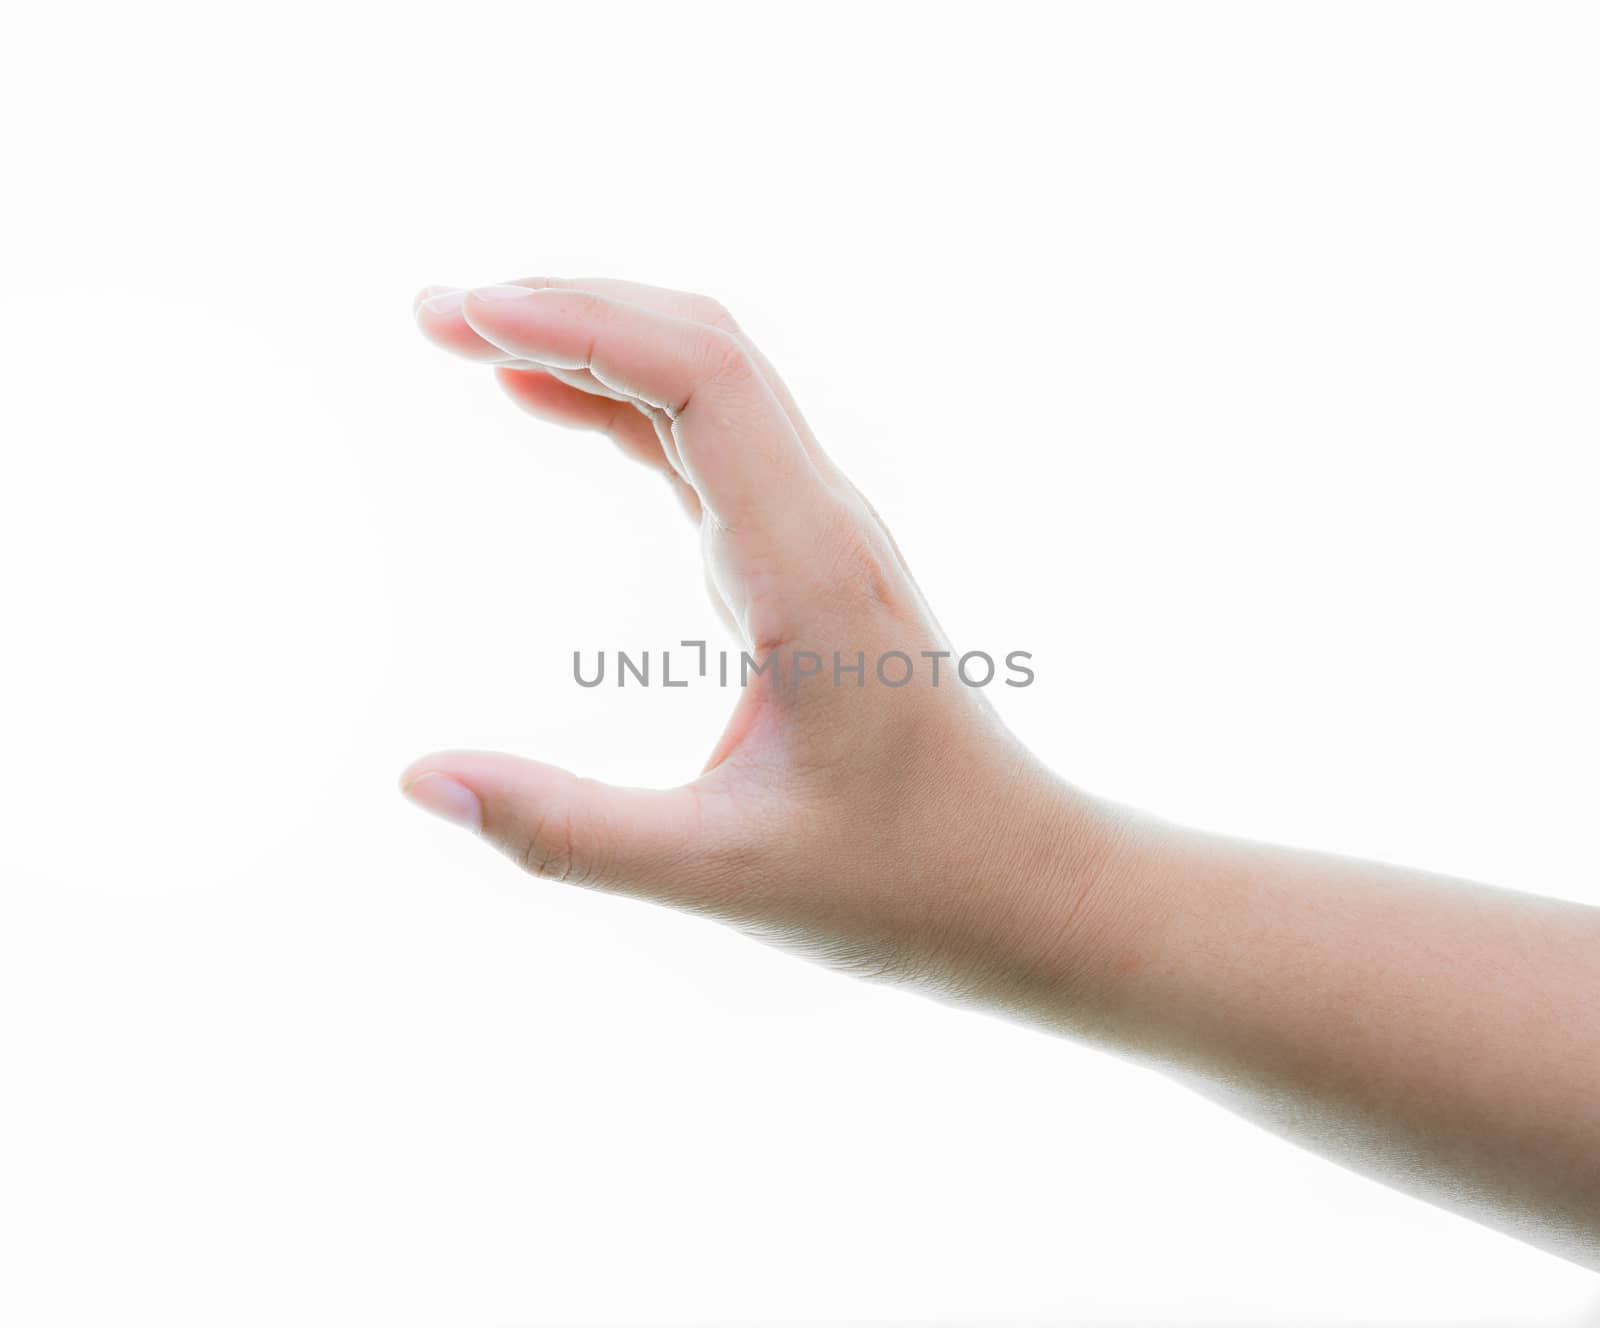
x: 1439, y: 1035
x: 893, y: 829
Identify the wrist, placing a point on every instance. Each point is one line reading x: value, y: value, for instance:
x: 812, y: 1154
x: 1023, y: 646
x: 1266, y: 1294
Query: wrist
x: 1069, y: 906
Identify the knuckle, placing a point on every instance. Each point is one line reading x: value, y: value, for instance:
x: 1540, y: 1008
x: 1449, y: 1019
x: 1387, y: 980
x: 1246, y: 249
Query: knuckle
x: 547, y: 850
x: 715, y: 314
x: 726, y: 359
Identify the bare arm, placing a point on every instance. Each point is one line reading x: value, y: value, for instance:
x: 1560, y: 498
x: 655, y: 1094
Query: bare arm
x: 1438, y: 1035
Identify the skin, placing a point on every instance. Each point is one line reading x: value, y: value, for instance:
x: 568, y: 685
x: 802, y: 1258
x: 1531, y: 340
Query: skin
x: 1438, y: 1035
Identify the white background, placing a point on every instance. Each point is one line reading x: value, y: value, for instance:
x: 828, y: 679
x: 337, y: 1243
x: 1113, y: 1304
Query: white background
x: 1238, y: 361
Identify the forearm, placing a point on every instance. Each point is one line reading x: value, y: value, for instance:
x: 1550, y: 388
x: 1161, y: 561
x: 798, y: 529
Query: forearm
x: 1436, y: 1034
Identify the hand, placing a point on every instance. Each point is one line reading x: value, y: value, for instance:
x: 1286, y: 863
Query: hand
x: 895, y: 831
x: 1433, y: 1033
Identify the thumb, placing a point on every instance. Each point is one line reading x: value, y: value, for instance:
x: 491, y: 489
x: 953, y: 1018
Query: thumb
x: 641, y: 841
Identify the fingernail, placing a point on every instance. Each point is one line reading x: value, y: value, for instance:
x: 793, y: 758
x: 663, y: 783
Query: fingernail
x: 444, y: 797
x: 445, y: 302
x: 495, y: 294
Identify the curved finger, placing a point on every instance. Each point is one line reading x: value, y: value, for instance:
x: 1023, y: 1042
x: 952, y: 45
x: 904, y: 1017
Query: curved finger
x: 546, y: 395
x: 737, y: 445
x: 697, y: 309
x: 438, y: 313
x: 438, y: 310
